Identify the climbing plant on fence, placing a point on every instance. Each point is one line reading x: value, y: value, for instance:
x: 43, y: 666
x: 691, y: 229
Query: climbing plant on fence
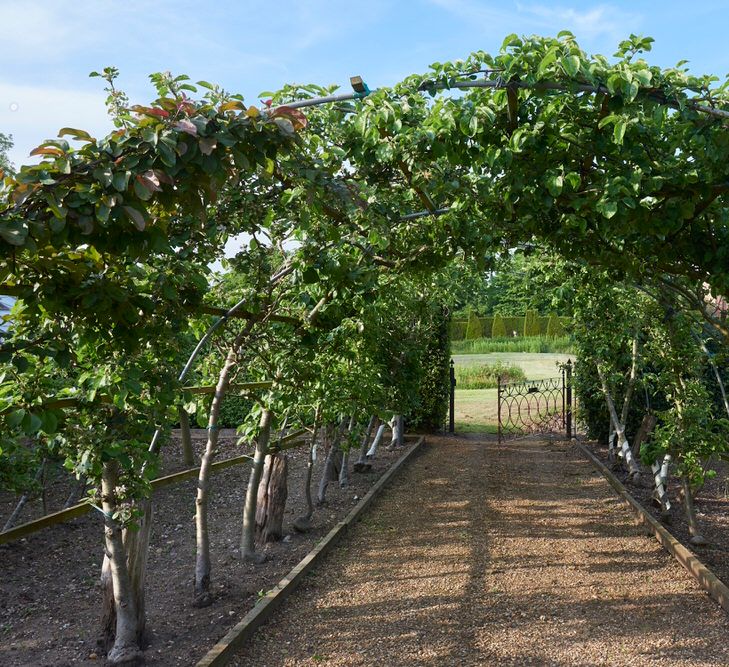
x: 616, y: 164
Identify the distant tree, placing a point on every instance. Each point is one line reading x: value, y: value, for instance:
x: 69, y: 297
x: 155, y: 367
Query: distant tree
x: 6, y: 143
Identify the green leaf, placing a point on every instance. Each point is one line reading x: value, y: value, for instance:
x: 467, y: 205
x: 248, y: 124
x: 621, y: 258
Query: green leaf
x: 136, y: 217
x: 15, y: 418
x: 619, y: 131
x: 607, y: 208
x: 571, y: 65
x: 120, y: 180
x: 554, y: 185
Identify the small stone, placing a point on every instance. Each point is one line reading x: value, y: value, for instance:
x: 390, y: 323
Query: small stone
x: 93, y: 656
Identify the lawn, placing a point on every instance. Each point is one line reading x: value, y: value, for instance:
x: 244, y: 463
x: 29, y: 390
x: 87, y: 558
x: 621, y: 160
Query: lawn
x: 476, y: 409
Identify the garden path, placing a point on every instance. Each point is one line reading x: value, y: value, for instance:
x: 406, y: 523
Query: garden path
x: 488, y: 554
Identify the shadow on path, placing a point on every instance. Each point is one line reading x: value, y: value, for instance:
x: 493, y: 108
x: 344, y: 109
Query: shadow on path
x: 486, y: 554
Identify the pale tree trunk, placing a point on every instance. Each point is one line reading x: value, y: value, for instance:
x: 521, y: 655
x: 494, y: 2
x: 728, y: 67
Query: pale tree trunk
x: 344, y: 469
x: 303, y: 523
x: 247, y: 543
x: 619, y: 428
x: 136, y: 548
x: 188, y: 454
x: 660, y: 479
x: 272, y: 494
x: 203, y: 567
x: 126, y: 648
x: 361, y: 464
x: 688, y: 500
x: 376, y: 442
x: 329, y: 473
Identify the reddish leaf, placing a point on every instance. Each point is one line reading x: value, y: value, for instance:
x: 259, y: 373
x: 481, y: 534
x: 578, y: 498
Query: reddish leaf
x: 47, y: 150
x: 150, y: 111
x: 298, y: 119
x: 186, y: 126
x: 231, y: 106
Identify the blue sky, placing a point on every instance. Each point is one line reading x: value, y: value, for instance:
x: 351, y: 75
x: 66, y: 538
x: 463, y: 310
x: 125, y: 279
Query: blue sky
x: 48, y: 47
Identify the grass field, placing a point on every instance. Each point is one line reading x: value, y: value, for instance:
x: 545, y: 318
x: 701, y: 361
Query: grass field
x: 476, y: 409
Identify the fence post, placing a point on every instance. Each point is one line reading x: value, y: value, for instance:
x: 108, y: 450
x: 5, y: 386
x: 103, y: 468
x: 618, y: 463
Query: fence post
x: 568, y: 401
x: 452, y: 411
x: 498, y: 404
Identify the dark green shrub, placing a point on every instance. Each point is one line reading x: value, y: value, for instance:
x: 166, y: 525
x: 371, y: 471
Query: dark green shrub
x: 474, y: 328
x: 498, y: 328
x: 531, y: 323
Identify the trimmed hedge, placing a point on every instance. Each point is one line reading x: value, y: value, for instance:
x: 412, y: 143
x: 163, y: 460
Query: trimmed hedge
x: 458, y: 328
x: 531, y: 323
x: 474, y: 327
x: 498, y: 328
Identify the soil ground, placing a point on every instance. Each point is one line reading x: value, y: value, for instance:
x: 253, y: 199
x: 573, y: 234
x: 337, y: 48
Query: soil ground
x: 712, y: 511
x: 488, y: 554
x: 49, y: 596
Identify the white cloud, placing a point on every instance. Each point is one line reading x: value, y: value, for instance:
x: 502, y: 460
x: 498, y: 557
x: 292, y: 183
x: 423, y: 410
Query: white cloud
x: 34, y: 113
x: 597, y: 25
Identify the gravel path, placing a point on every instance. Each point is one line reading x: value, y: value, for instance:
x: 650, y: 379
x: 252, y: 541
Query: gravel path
x: 480, y: 554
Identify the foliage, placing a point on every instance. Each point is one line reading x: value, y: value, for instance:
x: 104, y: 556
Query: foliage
x: 555, y: 326
x: 531, y: 323
x: 498, y: 328
x: 6, y: 143
x: 474, y: 327
x: 535, y: 344
x: 485, y: 376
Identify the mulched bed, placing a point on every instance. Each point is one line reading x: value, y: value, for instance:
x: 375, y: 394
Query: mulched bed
x: 712, y: 511
x: 49, y: 594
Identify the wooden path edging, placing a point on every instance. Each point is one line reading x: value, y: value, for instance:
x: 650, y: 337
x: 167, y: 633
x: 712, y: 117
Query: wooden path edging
x: 706, y: 578
x: 224, y: 650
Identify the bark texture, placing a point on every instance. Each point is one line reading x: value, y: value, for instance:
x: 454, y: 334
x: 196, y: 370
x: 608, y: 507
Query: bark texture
x: 271, y: 502
x: 247, y: 542
x: 125, y: 651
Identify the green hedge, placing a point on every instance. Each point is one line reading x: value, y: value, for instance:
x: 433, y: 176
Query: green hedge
x: 491, y: 327
x: 474, y: 327
x: 531, y: 323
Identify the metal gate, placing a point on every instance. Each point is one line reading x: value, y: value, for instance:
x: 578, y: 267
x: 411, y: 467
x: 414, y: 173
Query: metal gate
x: 536, y: 406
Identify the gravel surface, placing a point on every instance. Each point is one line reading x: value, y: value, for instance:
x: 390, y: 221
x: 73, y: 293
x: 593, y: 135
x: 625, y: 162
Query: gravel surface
x: 480, y: 554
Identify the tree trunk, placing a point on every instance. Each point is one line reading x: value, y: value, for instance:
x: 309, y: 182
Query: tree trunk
x: 619, y: 427
x: 644, y: 433
x: 303, y: 523
x: 126, y: 649
x: 361, y: 464
x: 247, y: 542
x: 344, y: 471
x: 188, y: 454
x: 201, y: 591
x: 330, y: 469
x: 375, y: 443
x: 136, y: 548
x: 272, y: 494
x: 660, y: 478
x: 688, y: 500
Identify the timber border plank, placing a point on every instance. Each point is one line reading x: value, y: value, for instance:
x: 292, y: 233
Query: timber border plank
x: 714, y: 586
x: 225, y: 649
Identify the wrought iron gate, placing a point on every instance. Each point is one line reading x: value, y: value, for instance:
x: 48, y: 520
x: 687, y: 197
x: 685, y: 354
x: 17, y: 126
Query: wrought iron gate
x: 536, y: 406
